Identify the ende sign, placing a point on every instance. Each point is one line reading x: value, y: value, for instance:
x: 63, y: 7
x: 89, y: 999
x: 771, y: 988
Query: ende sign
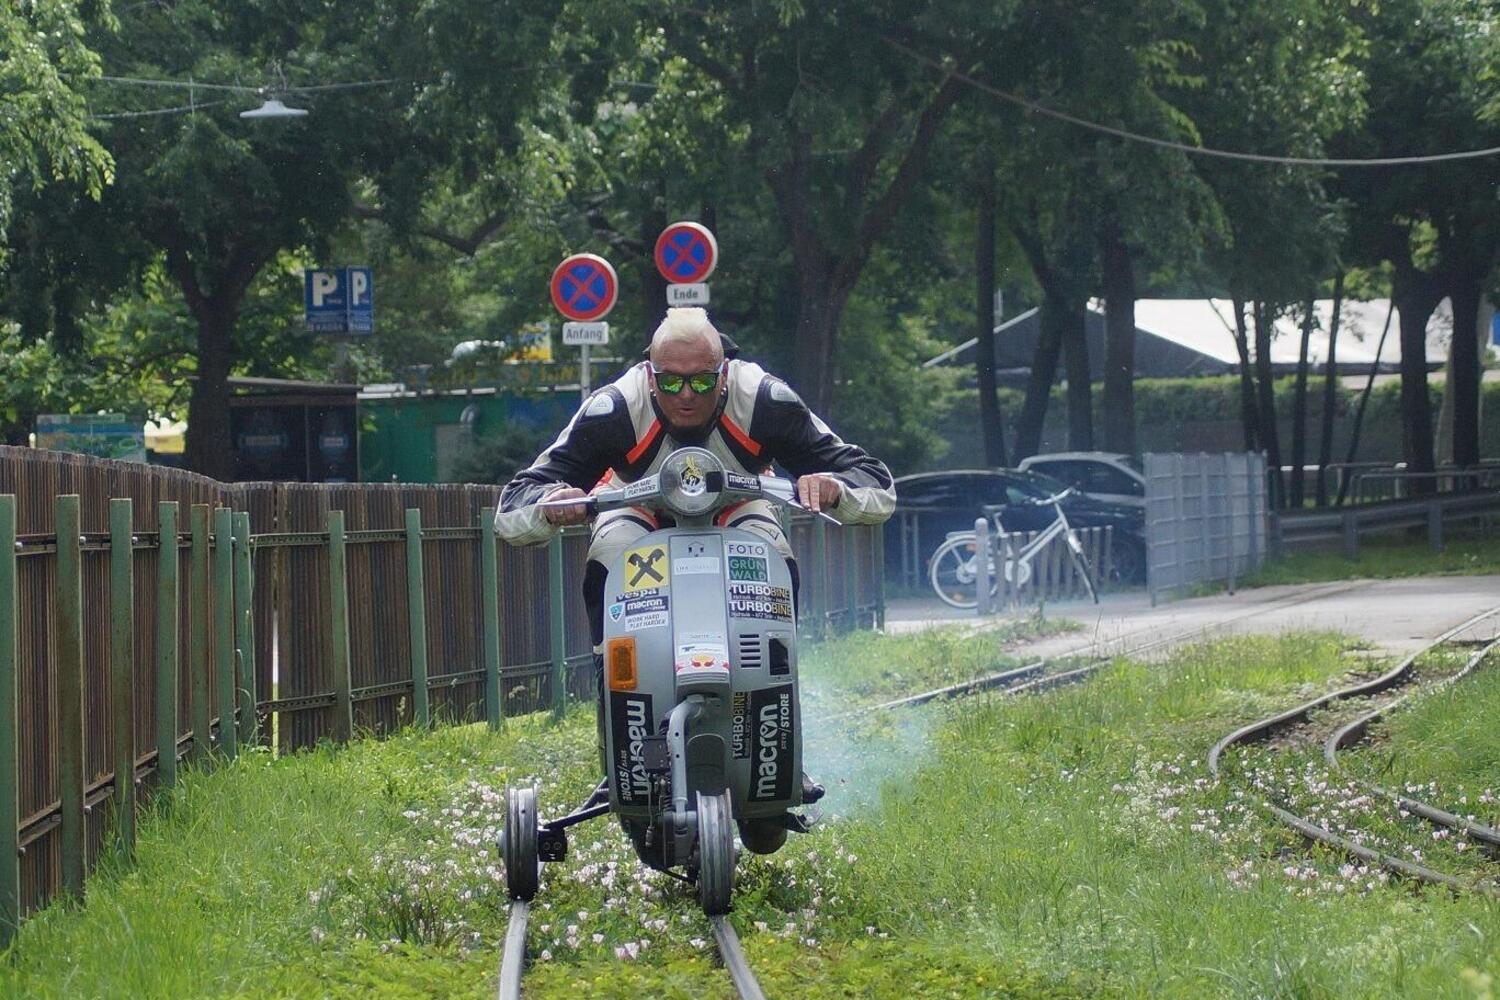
x: 339, y: 300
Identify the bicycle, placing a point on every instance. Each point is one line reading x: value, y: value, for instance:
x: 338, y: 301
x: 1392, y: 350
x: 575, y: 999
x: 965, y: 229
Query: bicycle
x: 954, y: 571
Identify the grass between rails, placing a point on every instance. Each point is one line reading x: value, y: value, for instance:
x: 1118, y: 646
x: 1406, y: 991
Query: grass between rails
x: 1381, y: 559
x: 1062, y: 845
x: 1442, y: 747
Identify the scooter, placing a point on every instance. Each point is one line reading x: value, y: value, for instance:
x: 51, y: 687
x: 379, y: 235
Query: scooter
x: 701, y: 725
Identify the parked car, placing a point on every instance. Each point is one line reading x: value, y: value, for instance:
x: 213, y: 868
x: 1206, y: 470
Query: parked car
x: 932, y: 504
x: 1102, y: 475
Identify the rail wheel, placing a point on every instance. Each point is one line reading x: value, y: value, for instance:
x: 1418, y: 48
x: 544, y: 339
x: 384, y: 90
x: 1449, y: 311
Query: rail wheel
x: 518, y: 843
x: 715, y: 853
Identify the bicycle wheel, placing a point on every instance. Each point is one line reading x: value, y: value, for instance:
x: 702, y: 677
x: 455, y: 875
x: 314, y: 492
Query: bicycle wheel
x: 954, y: 572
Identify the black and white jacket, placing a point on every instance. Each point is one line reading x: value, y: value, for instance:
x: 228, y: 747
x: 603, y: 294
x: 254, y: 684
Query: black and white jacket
x: 619, y: 432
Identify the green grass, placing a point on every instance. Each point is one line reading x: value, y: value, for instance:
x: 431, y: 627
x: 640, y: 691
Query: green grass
x: 1381, y: 559
x: 1443, y: 747
x: 1063, y: 845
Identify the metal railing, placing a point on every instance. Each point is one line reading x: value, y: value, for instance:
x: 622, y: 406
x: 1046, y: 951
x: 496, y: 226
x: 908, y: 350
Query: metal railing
x: 140, y: 630
x: 1347, y: 525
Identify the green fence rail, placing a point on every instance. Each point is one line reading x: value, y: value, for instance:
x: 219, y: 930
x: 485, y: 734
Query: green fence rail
x: 149, y: 617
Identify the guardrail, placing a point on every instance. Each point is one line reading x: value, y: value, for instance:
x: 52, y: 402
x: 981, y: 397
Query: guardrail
x: 1313, y: 528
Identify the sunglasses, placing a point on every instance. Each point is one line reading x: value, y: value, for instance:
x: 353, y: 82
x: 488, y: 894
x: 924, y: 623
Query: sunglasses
x: 671, y: 383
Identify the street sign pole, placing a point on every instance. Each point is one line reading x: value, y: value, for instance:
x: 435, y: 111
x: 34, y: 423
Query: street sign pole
x: 584, y: 290
x: 583, y: 378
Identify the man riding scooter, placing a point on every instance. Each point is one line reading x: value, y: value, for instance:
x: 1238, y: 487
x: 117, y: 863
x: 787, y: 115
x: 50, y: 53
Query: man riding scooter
x: 693, y: 391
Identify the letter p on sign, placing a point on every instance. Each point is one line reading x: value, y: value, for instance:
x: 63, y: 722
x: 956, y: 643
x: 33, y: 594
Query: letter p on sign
x: 324, y: 284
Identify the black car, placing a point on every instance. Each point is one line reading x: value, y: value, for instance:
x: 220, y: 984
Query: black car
x: 930, y: 505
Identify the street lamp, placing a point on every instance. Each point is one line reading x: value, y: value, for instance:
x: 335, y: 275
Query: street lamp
x: 273, y: 108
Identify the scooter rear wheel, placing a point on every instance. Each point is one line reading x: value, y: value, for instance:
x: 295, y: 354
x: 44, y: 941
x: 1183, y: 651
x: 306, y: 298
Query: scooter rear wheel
x: 715, y: 853
x: 518, y: 843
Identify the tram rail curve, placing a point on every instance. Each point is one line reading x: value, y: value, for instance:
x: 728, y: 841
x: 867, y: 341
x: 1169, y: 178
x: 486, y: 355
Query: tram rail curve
x: 1264, y: 728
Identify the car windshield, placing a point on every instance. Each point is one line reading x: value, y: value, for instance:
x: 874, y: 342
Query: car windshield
x: 1042, y: 484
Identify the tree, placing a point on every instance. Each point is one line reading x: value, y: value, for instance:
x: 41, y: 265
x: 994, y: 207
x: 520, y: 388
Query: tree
x: 43, y: 119
x: 1432, y: 89
x: 840, y: 123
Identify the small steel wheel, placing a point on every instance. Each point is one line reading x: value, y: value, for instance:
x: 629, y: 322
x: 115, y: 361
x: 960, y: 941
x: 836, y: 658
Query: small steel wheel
x: 518, y: 843
x: 715, y: 853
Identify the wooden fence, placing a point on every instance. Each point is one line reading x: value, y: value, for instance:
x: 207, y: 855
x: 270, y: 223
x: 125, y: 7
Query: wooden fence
x: 296, y: 612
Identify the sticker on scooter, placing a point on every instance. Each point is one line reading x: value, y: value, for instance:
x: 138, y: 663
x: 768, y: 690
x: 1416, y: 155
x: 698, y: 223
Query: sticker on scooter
x: 645, y: 603
x: 760, y: 600
x: 647, y: 567
x: 695, y: 564
x: 631, y: 722
x: 771, y: 729
x: 694, y: 655
x: 615, y: 611
x: 655, y: 619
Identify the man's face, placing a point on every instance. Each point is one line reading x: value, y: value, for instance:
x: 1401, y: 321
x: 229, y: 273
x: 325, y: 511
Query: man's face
x: 687, y: 410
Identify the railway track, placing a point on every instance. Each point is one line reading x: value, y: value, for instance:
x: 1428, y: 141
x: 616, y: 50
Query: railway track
x: 1034, y: 676
x: 1030, y: 678
x: 726, y: 941
x: 1348, y: 733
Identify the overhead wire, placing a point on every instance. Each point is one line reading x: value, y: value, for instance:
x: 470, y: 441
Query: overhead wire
x: 1226, y: 154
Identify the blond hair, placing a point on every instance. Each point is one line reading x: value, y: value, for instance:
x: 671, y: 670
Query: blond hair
x: 684, y: 324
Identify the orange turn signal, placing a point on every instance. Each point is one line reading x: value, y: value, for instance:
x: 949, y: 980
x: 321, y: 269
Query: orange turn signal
x: 620, y: 657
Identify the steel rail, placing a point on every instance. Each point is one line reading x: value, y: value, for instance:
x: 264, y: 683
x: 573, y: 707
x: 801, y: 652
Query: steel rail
x: 1352, y: 732
x: 513, y: 955
x: 1011, y: 679
x: 1266, y: 727
x: 733, y: 954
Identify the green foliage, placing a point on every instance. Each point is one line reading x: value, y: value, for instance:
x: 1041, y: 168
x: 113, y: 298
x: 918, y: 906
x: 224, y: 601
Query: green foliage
x: 43, y: 123
x: 1384, y: 559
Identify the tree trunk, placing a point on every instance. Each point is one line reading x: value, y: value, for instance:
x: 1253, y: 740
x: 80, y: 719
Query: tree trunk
x: 1464, y: 372
x: 1416, y: 294
x: 209, y: 448
x: 1075, y: 341
x: 1330, y: 392
x: 818, y: 315
x: 653, y: 285
x: 1249, y: 412
x: 1364, y: 401
x: 1270, y: 437
x: 1118, y: 272
x: 1299, y: 409
x: 992, y: 431
x: 1039, y: 386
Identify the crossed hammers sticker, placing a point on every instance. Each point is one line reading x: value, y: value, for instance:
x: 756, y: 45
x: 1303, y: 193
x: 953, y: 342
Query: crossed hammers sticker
x: 646, y: 567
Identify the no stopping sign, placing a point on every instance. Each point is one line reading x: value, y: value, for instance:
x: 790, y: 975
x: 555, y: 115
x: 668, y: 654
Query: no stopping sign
x: 584, y: 287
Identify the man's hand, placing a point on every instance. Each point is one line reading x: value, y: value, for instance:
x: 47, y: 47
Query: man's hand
x: 574, y: 514
x: 818, y: 491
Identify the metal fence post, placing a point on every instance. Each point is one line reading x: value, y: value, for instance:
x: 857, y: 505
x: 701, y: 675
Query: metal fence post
x: 1252, y: 505
x: 1351, y: 533
x: 198, y: 662
x: 489, y: 570
x: 122, y: 668
x: 244, y: 632
x: 982, y: 566
x: 224, y: 629
x: 416, y: 616
x: 1435, y: 525
x: 10, y: 730
x: 68, y: 643
x: 166, y: 643
x: 559, y: 627
x: 338, y: 604
x: 879, y: 558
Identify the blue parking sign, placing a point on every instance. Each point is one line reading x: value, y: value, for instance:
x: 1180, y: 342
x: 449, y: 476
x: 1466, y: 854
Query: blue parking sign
x: 361, y: 300
x: 1495, y: 330
x: 339, y: 300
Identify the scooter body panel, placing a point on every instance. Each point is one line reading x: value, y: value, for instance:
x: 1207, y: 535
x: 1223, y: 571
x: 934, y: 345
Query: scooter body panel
x: 709, y: 612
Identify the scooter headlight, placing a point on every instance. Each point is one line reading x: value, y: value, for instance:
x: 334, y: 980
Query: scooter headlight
x: 691, y: 480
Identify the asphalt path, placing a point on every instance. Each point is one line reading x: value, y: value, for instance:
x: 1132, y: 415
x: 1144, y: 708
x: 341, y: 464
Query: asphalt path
x: 1396, y: 616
